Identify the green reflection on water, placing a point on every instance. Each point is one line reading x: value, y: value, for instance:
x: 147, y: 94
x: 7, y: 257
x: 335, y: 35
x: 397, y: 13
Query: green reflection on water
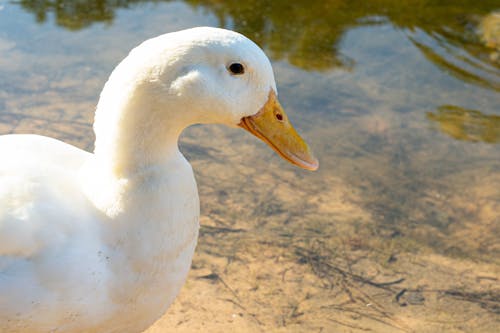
x: 467, y: 125
x: 73, y: 15
x: 308, y: 32
x: 460, y: 38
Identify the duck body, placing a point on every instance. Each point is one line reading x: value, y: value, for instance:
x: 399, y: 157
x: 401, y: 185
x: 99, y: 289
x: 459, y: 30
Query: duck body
x: 68, y: 267
x: 102, y: 242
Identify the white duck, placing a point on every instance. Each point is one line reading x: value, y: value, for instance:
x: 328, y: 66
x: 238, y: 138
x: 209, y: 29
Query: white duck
x: 103, y: 242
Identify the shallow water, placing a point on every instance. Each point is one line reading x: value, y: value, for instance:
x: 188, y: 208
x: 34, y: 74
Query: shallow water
x: 397, y: 231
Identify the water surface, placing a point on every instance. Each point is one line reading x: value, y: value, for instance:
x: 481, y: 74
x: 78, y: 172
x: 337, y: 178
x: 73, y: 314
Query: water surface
x: 397, y: 231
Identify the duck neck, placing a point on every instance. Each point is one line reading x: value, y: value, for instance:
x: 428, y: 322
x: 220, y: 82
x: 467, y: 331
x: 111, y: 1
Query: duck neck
x: 133, y: 134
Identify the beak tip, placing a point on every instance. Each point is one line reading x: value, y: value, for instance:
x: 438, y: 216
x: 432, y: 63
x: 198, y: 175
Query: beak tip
x: 313, y: 165
x: 310, y: 163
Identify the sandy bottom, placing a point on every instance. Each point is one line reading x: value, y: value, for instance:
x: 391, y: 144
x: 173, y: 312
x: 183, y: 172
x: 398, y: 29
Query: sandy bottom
x: 283, y: 250
x: 280, y: 251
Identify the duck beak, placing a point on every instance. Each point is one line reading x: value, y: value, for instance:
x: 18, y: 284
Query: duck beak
x: 272, y: 126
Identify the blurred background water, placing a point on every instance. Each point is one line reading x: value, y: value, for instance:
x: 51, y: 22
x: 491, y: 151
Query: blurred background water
x: 399, y: 100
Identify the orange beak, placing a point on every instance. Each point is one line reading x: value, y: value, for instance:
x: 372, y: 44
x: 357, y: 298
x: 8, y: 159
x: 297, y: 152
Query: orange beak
x: 272, y: 126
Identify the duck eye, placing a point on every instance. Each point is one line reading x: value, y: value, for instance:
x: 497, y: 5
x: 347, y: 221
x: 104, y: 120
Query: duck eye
x: 236, y: 68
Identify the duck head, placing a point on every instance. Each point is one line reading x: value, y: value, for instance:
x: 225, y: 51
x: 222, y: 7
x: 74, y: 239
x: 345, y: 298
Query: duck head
x: 204, y: 75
